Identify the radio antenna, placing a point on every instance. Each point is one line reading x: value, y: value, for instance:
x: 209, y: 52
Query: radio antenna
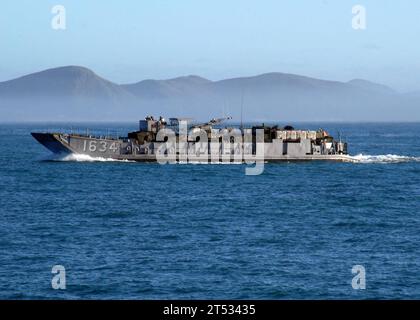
x: 223, y: 109
x: 242, y: 109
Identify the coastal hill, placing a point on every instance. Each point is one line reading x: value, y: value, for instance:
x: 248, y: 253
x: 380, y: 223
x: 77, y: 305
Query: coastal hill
x: 76, y: 93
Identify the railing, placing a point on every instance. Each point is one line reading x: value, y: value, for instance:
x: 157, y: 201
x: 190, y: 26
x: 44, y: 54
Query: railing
x: 105, y: 133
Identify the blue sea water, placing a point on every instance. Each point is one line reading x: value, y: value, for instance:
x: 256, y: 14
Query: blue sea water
x: 150, y: 231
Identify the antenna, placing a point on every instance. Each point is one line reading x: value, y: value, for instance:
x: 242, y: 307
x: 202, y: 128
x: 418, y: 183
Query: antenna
x: 242, y: 107
x: 223, y: 110
x: 227, y: 111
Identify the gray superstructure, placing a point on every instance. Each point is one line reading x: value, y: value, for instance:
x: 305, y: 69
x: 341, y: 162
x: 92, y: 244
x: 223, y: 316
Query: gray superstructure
x: 179, y: 140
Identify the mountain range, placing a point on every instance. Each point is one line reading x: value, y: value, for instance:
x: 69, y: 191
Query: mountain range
x: 74, y: 93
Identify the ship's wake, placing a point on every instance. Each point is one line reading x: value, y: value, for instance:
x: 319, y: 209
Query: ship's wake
x: 360, y: 158
x: 73, y: 157
x: 384, y: 158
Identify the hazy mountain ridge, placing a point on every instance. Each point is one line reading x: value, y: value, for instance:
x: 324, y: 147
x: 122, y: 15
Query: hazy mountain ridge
x: 166, y: 88
x: 76, y: 93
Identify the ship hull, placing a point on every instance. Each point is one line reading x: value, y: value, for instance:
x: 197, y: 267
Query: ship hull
x: 119, y: 149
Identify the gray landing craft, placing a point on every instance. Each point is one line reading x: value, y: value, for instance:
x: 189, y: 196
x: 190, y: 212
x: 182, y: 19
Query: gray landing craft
x: 279, y: 143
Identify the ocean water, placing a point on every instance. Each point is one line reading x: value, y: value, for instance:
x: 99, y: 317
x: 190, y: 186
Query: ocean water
x: 148, y: 231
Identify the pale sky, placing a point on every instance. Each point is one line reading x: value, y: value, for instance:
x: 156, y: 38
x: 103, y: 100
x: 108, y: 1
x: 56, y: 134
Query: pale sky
x: 132, y: 40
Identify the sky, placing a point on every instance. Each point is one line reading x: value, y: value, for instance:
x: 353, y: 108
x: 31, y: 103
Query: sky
x: 128, y: 41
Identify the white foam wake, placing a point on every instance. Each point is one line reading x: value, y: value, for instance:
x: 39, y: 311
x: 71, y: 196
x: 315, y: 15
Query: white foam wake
x: 360, y: 158
x: 209, y: 162
x: 84, y: 158
x: 384, y: 158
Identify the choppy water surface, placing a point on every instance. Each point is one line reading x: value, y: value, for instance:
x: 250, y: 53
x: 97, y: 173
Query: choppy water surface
x: 144, y: 231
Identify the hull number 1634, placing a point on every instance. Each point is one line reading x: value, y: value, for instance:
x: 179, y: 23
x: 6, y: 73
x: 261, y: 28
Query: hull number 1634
x: 100, y: 146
